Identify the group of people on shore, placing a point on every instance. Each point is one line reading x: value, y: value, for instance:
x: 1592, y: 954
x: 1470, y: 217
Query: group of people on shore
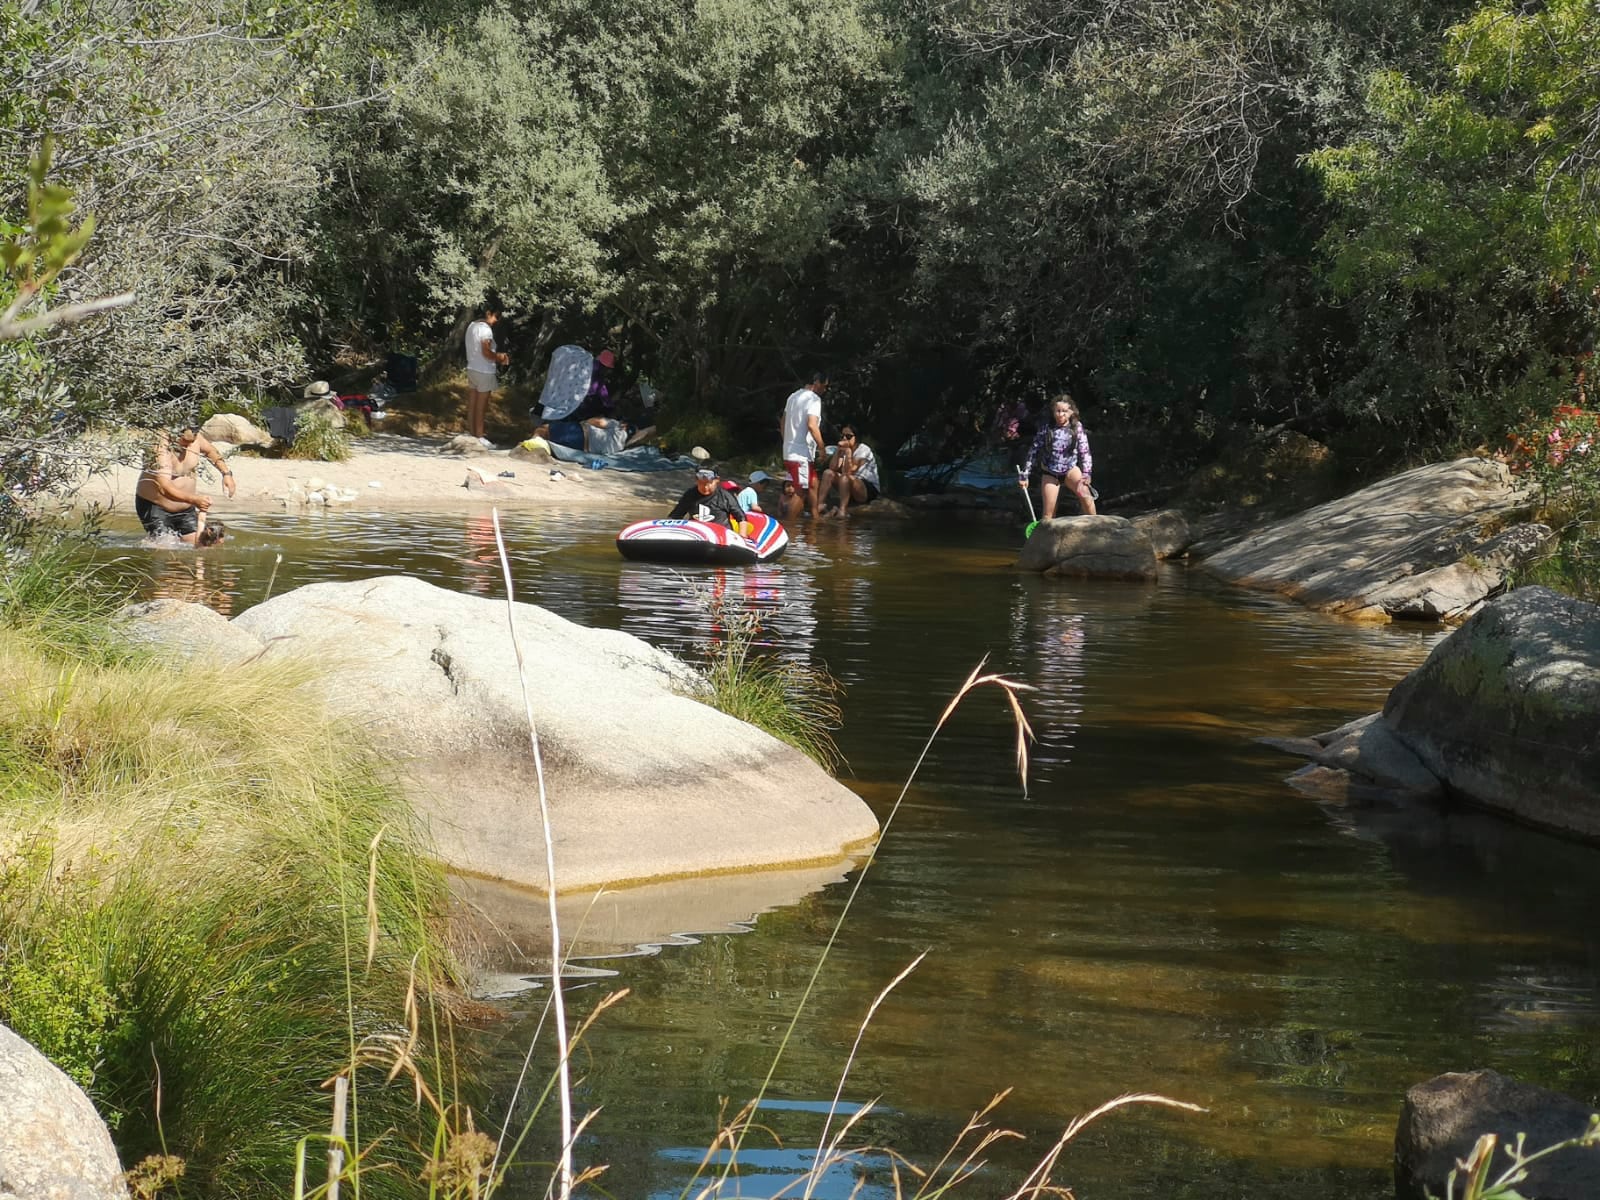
x: 821, y: 481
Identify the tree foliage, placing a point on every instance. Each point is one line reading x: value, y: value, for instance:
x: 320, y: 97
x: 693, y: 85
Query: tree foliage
x: 1369, y: 219
x: 1469, y: 227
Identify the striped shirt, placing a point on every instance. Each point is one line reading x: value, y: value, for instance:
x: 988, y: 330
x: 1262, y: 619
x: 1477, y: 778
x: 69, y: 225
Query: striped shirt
x: 1059, y: 448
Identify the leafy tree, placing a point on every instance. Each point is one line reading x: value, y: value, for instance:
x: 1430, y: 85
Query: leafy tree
x: 181, y: 126
x: 1470, y: 229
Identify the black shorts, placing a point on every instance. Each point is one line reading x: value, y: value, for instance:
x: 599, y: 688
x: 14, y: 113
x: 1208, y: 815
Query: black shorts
x: 157, y: 520
x: 872, y: 491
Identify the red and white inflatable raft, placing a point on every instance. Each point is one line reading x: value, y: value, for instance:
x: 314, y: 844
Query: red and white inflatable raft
x: 696, y: 543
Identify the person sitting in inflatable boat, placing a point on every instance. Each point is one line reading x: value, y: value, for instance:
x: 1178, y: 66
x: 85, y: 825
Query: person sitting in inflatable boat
x: 707, y: 502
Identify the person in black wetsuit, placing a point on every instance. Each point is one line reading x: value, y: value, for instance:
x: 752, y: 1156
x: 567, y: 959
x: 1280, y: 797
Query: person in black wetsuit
x: 708, y: 501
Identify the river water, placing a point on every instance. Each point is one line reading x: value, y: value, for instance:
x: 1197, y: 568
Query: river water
x: 1157, y: 911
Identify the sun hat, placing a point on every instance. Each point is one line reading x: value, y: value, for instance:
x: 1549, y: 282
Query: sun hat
x: 318, y: 391
x: 759, y: 477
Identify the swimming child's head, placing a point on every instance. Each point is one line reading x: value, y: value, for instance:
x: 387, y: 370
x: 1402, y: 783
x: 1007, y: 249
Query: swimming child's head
x: 212, y: 534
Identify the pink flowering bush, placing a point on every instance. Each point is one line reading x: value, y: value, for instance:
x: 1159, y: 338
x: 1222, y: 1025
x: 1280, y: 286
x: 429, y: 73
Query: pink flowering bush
x: 1560, y: 455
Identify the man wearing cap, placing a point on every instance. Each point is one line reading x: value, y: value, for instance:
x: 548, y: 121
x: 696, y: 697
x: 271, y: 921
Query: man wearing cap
x: 801, y: 428
x: 484, y: 358
x: 708, y: 502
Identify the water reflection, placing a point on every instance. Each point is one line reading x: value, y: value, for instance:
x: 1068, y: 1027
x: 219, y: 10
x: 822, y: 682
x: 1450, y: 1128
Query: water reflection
x: 1157, y: 911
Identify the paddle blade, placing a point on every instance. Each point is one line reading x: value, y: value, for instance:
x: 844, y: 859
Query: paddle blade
x: 1028, y: 532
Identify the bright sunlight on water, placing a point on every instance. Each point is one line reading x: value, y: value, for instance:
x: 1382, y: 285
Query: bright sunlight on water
x: 1157, y: 911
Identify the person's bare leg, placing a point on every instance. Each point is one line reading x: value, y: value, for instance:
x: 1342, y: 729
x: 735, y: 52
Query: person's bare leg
x: 1080, y: 488
x: 829, y: 477
x: 476, y: 402
x: 850, y: 489
x: 1049, y: 489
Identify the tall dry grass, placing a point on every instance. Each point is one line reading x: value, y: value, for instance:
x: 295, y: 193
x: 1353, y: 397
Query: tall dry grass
x: 186, y: 852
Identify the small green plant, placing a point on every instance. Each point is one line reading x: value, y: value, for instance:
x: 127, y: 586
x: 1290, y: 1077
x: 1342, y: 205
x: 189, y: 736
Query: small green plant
x: 1474, y: 1174
x: 795, y: 703
x: 320, y: 435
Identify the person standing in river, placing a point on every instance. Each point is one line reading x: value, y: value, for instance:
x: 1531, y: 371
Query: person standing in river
x: 484, y: 358
x: 801, y: 429
x: 1061, y: 449
x: 166, y: 498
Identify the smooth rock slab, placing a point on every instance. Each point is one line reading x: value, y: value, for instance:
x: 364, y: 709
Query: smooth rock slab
x: 1096, y: 547
x: 1443, y: 1118
x: 1410, y: 546
x: 53, y: 1145
x: 644, y: 782
x: 1506, y: 710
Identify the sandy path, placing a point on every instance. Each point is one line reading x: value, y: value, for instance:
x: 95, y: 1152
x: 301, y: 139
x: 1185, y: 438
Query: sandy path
x: 393, y: 472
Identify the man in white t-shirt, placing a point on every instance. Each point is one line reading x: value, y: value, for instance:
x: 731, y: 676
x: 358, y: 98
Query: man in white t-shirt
x: 801, y: 428
x: 483, y: 359
x: 853, y: 474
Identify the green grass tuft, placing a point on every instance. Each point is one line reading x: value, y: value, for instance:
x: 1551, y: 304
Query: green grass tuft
x: 184, y: 898
x: 795, y: 703
x: 321, y: 436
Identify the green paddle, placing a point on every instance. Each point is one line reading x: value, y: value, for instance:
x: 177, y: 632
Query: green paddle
x: 1028, y: 496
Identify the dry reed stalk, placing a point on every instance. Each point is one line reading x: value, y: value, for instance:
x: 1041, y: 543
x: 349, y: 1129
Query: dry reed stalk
x: 814, y: 1175
x: 1024, y: 733
x: 1037, y: 1182
x: 563, y: 1048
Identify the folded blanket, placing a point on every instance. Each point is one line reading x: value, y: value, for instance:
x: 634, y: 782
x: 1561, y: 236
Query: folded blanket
x: 640, y: 458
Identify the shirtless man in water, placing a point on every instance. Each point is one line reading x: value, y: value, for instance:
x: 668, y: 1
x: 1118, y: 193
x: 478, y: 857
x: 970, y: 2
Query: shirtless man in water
x: 167, y: 500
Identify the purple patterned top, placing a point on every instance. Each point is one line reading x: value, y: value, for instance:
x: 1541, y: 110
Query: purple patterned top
x: 1059, y: 448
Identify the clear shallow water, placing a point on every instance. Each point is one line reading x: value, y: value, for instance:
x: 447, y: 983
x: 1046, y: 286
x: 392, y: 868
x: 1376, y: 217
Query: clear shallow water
x: 1157, y: 912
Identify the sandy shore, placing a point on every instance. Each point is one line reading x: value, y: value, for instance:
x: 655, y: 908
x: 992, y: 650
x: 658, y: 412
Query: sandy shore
x: 395, y: 472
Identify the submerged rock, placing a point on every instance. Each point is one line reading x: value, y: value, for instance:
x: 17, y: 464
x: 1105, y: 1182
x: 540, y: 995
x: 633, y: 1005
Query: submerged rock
x: 1442, y: 1119
x: 1412, y: 546
x: 1097, y: 547
x: 54, y: 1144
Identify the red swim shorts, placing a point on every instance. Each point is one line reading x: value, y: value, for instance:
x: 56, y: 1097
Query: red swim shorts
x: 799, y: 473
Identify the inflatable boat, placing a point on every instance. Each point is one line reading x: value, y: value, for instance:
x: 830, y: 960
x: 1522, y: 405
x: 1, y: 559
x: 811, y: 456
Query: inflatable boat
x: 695, y: 543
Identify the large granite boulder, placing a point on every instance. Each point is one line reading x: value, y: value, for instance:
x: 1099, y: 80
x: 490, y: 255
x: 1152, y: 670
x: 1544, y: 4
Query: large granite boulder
x: 1504, y: 715
x: 53, y: 1145
x: 1415, y: 545
x: 1442, y: 1119
x: 1506, y: 710
x: 1096, y: 547
x: 644, y: 782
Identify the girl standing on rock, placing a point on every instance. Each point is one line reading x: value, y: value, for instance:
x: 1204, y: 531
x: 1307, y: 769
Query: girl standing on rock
x: 1061, y: 449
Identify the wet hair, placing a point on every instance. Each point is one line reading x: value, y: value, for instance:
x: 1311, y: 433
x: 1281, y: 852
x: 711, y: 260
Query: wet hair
x: 213, y: 533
